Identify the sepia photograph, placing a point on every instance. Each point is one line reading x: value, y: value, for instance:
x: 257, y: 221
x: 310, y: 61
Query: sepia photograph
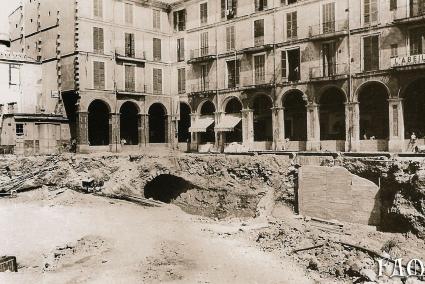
x: 212, y: 141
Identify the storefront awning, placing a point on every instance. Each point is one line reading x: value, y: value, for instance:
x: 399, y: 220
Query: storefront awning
x: 201, y: 124
x: 228, y: 123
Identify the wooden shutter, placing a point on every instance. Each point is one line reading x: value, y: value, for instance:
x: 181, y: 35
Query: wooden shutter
x: 98, y: 39
x: 259, y: 32
x: 204, y: 43
x: 129, y: 45
x: 204, y: 13
x: 283, y: 63
x: 375, y: 52
x: 157, y: 49
x: 291, y: 25
x: 328, y: 17
x: 156, y: 19
x: 374, y: 10
x: 181, y: 80
x: 128, y: 13
x: 157, y: 81
x: 98, y: 8
x: 259, y: 62
x: 99, y: 75
x: 175, y: 20
x: 235, y: 7
x: 223, y: 8
x: 180, y: 49
x: 130, y: 78
x: 371, y: 53
x: 367, y: 12
x: 230, y: 38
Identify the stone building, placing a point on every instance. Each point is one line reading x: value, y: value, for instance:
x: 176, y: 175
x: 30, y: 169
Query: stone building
x: 296, y: 75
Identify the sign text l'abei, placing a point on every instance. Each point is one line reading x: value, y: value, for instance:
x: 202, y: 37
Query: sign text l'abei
x: 408, y: 60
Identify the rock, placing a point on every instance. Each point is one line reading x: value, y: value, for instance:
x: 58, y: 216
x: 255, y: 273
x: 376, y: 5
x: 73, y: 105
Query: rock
x: 369, y: 274
x: 313, y: 264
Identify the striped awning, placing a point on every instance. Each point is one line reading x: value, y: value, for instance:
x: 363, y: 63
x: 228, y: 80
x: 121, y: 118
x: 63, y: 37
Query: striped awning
x: 228, y: 123
x: 201, y: 124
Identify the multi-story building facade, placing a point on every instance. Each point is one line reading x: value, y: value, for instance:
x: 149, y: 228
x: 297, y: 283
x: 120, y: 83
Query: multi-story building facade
x: 267, y: 74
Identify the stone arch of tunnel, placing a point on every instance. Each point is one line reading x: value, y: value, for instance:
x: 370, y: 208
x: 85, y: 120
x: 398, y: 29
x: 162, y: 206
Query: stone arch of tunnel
x: 234, y: 107
x: 158, y: 125
x: 208, y: 109
x: 414, y: 109
x: 295, y: 116
x: 166, y: 188
x: 373, y: 107
x: 263, y: 121
x: 184, y: 123
x: 98, y: 123
x: 129, y: 123
x: 332, y: 114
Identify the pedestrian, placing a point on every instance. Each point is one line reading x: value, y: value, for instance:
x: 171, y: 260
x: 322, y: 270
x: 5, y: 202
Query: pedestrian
x: 412, y: 142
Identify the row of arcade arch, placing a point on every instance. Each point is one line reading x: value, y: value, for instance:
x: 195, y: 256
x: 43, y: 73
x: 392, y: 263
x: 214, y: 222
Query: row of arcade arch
x: 373, y: 113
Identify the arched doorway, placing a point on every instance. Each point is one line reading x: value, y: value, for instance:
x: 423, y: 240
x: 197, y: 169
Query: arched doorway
x: 129, y: 123
x: 295, y: 116
x: 184, y: 123
x: 414, y: 109
x: 263, y: 124
x: 234, y: 107
x: 208, y: 109
x: 332, y: 115
x: 158, y: 130
x: 98, y: 123
x: 373, y: 107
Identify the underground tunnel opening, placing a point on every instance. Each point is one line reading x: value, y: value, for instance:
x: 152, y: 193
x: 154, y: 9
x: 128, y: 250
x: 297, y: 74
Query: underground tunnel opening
x: 166, y: 188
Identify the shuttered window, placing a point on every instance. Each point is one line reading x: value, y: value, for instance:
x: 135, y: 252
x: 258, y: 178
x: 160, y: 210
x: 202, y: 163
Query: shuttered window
x: 259, y: 69
x: 284, y: 64
x: 328, y: 18
x: 229, y: 8
x: 233, y: 71
x: 230, y: 38
x: 14, y: 75
x: 98, y: 46
x: 156, y: 19
x: 128, y: 13
x: 204, y: 13
x: 179, y: 20
x: 156, y: 49
x: 291, y: 25
x: 99, y: 75
x: 370, y: 11
x: 181, y: 73
x: 371, y: 53
x: 204, y: 43
x: 130, y: 83
x: 259, y: 32
x: 129, y: 45
x: 260, y: 5
x: 157, y: 81
x: 417, y: 40
x: 98, y: 8
x: 393, y: 5
x: 180, y: 49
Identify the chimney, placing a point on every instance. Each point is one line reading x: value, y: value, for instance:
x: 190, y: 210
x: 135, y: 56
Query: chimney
x: 11, y: 108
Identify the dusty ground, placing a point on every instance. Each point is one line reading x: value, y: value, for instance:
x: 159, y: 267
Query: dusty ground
x: 63, y: 236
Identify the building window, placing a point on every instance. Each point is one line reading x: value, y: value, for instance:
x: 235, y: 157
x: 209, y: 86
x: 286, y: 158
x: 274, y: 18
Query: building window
x: 130, y: 75
x: 204, y: 43
x: 259, y: 32
x: 417, y: 40
x: 283, y: 64
x: 290, y: 64
x: 328, y: 24
x: 179, y: 20
x: 394, y: 50
x: 229, y: 8
x: 393, y: 5
x: 19, y: 129
x: 128, y: 13
x: 260, y: 5
x: 259, y: 69
x: 97, y: 8
x: 181, y: 80
x: 14, y: 75
x: 230, y: 38
x: 98, y: 39
x: 371, y: 53
x: 291, y: 25
x: 99, y: 75
x: 156, y: 49
x: 156, y: 19
x: 129, y: 45
x: 180, y: 49
x: 233, y: 71
x: 370, y: 11
x: 157, y: 81
x: 204, y: 13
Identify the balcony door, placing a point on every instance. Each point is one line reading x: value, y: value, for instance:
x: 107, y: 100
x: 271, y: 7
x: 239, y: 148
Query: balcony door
x: 204, y: 77
x: 328, y: 18
x: 328, y: 59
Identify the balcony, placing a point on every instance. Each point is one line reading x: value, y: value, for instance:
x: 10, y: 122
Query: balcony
x: 203, y: 87
x: 409, y: 14
x: 203, y: 54
x: 408, y: 62
x: 329, y: 30
x: 130, y: 58
x: 257, y: 81
x: 329, y: 72
x: 132, y: 90
x: 256, y: 45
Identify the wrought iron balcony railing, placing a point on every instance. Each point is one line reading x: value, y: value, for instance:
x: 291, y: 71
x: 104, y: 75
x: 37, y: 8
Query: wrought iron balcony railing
x: 203, y: 85
x: 409, y: 13
x: 329, y: 70
x: 203, y: 53
x: 329, y: 29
